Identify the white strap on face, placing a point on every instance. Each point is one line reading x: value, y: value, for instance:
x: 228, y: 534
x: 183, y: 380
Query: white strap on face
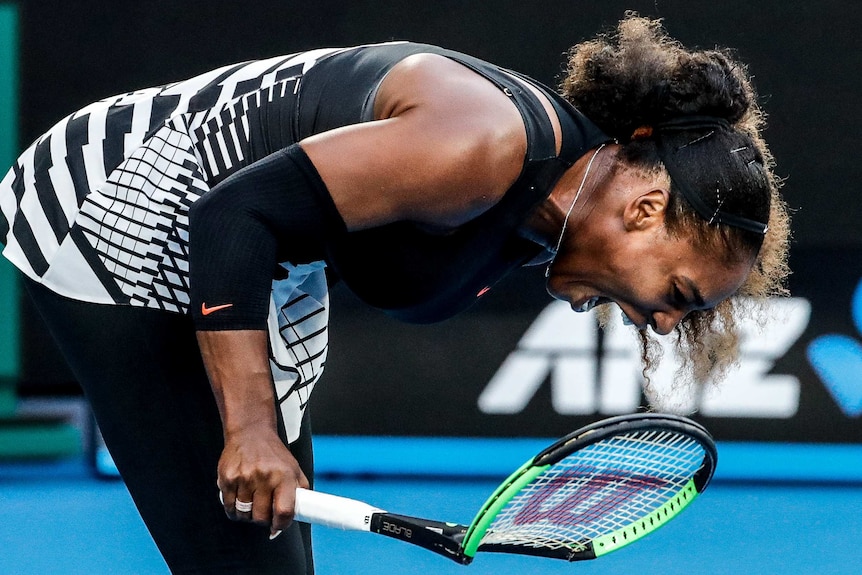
x: 572, y: 207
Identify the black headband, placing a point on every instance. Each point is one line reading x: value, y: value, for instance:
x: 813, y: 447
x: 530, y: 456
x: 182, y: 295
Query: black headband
x: 706, y: 205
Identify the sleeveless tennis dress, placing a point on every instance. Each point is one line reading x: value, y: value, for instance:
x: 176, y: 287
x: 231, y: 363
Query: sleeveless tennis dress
x: 97, y: 208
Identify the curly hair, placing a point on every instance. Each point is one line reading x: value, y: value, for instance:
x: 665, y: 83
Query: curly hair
x: 635, y: 78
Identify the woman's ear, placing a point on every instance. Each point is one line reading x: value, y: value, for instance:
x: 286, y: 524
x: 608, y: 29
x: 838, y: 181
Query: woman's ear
x: 646, y: 210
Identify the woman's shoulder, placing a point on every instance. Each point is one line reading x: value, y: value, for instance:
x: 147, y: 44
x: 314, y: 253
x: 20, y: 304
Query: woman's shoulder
x: 478, y: 130
x: 444, y: 145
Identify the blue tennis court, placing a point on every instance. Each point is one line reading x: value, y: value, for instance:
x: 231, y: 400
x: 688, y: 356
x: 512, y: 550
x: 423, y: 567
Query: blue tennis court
x: 61, y: 519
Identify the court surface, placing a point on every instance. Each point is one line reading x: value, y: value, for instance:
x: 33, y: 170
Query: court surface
x: 57, y: 518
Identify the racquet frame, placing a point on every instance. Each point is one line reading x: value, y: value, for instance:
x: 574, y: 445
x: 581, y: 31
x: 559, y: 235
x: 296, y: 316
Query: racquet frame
x: 461, y: 542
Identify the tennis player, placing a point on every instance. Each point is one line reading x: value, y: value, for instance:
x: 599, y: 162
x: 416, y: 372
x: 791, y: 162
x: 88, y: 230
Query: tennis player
x: 177, y: 241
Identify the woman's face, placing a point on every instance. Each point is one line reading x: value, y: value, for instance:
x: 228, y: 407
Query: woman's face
x: 630, y: 259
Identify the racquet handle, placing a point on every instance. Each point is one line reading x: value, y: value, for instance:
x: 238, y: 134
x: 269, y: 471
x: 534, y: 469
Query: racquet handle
x: 333, y: 511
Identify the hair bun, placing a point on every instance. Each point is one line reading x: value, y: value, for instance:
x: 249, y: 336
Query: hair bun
x: 706, y: 83
x: 637, y: 75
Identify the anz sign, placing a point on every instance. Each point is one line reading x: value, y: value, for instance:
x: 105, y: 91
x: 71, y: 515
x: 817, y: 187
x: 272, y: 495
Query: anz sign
x: 592, y: 371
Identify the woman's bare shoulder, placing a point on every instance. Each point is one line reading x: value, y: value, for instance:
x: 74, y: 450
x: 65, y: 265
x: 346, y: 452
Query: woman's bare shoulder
x: 446, y: 145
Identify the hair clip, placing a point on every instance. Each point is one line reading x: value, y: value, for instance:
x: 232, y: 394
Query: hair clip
x: 696, y: 140
x: 717, y: 207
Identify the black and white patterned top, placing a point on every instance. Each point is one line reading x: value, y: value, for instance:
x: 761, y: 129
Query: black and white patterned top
x: 97, y: 208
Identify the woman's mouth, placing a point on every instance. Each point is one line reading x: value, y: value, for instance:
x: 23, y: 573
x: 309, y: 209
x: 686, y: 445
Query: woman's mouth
x: 587, y: 305
x: 597, y: 301
x: 591, y: 303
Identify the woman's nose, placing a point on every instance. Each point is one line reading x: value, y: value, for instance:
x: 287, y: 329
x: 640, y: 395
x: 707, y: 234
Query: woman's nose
x: 664, y: 322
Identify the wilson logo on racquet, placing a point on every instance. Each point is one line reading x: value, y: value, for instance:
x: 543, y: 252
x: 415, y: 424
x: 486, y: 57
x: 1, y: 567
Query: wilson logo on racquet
x: 591, y: 500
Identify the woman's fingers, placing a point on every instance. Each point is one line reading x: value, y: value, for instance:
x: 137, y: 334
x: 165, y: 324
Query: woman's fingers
x: 257, y: 482
x: 283, y: 508
x: 262, y: 512
x: 244, y: 503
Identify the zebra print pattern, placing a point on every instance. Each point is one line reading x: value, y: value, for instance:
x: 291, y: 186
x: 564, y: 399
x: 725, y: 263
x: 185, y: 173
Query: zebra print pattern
x: 97, y: 208
x: 224, y: 113
x: 301, y: 323
x: 222, y: 142
x: 138, y: 221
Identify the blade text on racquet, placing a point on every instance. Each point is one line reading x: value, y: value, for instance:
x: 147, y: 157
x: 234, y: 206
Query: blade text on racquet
x: 590, y: 493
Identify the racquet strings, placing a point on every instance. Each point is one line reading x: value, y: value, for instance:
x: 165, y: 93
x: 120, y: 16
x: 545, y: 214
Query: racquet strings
x: 598, y: 490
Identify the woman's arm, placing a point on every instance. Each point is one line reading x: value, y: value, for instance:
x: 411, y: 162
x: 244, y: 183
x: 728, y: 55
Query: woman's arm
x: 255, y: 465
x: 446, y: 146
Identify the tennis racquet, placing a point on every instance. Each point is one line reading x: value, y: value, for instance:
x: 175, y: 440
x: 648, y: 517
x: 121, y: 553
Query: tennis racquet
x: 590, y: 493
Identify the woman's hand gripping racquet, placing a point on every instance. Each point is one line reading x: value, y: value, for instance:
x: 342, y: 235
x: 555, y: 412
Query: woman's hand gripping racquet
x: 590, y: 493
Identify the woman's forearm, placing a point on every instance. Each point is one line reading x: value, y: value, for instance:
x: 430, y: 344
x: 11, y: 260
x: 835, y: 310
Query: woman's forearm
x: 237, y: 363
x: 255, y: 469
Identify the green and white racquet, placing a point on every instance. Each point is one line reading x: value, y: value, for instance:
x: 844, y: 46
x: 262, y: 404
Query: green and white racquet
x: 590, y: 493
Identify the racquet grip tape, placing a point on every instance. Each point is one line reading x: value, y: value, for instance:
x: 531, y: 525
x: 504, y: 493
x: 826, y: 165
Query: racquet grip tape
x: 333, y: 511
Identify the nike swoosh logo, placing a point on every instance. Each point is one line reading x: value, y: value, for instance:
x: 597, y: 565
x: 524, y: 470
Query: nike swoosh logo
x: 208, y: 310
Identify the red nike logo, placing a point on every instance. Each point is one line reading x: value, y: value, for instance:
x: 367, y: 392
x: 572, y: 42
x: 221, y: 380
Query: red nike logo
x: 208, y: 310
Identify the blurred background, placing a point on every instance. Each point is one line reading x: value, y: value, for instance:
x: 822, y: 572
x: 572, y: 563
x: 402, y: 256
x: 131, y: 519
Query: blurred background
x: 474, y: 396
